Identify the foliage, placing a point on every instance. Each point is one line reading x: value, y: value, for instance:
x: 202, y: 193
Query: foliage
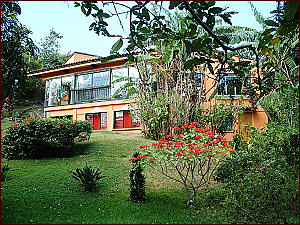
x: 47, y: 53
x: 220, y: 116
x: 263, y: 177
x: 4, y: 170
x: 88, y: 177
x: 43, y: 138
x: 190, y: 156
x: 15, y: 42
x: 137, y: 180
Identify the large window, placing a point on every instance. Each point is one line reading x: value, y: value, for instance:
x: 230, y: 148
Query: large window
x: 122, y: 119
x: 90, y: 86
x: 53, y: 88
x: 229, y: 85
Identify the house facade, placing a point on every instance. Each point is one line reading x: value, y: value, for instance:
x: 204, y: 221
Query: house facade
x: 84, y: 88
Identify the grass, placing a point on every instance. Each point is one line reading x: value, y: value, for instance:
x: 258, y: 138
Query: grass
x: 43, y: 191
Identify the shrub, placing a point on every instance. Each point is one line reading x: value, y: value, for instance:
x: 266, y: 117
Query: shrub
x: 4, y: 170
x: 190, y: 156
x: 43, y: 138
x: 137, y: 180
x: 263, y: 177
x: 88, y: 177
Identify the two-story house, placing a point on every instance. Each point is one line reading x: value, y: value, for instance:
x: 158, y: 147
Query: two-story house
x: 84, y: 88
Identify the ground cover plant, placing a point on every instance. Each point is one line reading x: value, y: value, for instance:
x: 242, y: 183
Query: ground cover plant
x: 43, y: 191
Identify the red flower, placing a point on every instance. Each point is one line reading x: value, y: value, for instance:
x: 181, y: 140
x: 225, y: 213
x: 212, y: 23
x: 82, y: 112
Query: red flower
x: 60, y: 123
x: 27, y: 124
x: 191, y: 126
x: 232, y: 150
x: 198, y: 136
x: 180, y: 135
x: 225, y: 154
x: 185, y: 126
x: 178, y: 153
x: 198, y: 130
x: 209, y: 155
x: 151, y: 159
x: 169, y: 136
x: 195, y: 123
x: 74, y: 122
x: 176, y: 128
x: 57, y: 126
x: 141, y: 157
x: 133, y: 159
x: 189, y: 155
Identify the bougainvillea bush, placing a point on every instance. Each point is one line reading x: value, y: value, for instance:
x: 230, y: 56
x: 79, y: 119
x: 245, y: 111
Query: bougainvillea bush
x: 43, y: 138
x: 190, y: 156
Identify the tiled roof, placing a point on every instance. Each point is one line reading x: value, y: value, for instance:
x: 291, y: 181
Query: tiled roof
x: 80, y: 62
x: 73, y: 64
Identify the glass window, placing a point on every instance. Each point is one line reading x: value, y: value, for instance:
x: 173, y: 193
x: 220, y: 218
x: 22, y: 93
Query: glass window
x: 67, y: 84
x: 119, y: 120
x: 54, y: 91
x: 119, y: 79
x: 124, y: 119
x: 229, y: 85
x: 101, y: 79
x: 84, y: 81
x: 47, y: 92
x: 134, y: 72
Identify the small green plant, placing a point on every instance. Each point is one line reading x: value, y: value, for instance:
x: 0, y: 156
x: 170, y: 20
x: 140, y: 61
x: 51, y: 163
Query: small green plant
x: 137, y: 180
x: 4, y: 170
x: 88, y: 177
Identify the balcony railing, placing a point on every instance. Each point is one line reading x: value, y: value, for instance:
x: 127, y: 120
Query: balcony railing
x: 89, y: 95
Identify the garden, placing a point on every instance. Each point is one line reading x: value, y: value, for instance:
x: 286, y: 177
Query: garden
x: 180, y: 168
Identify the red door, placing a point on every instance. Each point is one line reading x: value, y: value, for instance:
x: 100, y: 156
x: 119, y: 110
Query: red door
x: 127, y: 119
x: 97, y: 121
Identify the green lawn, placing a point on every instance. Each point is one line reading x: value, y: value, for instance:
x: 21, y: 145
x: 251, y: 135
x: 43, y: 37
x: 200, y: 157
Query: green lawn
x: 43, y: 191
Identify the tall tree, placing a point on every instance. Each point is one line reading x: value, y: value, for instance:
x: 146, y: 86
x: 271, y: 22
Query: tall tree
x: 47, y: 55
x: 15, y: 42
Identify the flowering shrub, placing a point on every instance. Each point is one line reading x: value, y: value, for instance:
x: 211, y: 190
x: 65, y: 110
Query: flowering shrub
x: 191, y: 153
x: 43, y: 138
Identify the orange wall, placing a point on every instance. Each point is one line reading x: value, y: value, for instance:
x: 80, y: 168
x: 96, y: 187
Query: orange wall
x: 256, y: 118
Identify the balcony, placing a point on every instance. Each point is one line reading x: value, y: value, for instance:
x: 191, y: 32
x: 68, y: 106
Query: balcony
x: 90, y: 95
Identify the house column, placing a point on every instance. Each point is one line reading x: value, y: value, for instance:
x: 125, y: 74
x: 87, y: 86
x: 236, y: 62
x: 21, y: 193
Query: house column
x: 110, y: 118
x: 74, y: 114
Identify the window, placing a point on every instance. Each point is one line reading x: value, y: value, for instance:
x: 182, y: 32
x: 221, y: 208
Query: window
x: 54, y: 89
x: 99, y: 120
x: 119, y: 79
x: 66, y: 85
x: 229, y: 85
x: 122, y: 119
x: 89, y: 87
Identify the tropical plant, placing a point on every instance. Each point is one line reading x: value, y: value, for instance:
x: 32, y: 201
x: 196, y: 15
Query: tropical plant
x: 88, y: 176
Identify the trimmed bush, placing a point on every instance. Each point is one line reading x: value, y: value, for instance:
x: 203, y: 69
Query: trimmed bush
x: 40, y: 138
